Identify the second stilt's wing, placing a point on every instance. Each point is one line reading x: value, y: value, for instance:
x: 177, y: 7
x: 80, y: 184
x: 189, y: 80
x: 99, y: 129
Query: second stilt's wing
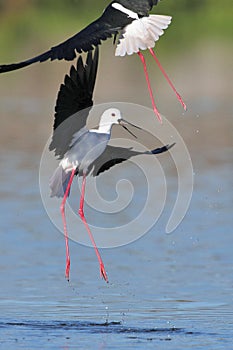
x: 115, y: 155
x: 74, y: 101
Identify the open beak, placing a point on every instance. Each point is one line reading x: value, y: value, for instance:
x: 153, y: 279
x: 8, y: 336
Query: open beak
x: 122, y: 122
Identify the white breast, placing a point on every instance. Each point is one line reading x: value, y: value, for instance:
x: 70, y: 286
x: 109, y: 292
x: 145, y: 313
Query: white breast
x: 142, y: 34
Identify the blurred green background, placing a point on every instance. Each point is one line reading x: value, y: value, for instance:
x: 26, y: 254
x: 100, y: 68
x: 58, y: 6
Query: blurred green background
x: 196, y: 51
x: 23, y: 21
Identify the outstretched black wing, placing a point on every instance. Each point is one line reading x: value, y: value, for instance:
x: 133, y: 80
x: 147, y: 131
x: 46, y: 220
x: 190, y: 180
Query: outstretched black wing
x: 115, y: 155
x: 74, y: 101
x: 110, y: 23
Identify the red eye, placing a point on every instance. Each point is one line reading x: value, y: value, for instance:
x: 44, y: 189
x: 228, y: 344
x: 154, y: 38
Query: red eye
x: 113, y: 114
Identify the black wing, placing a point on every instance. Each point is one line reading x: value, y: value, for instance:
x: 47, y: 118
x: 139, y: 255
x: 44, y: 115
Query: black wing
x: 104, y: 27
x: 110, y: 23
x: 115, y: 155
x: 74, y: 101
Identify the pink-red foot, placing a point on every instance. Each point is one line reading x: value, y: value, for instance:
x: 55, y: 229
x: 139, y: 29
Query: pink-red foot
x: 68, y: 270
x: 103, y: 272
x: 181, y: 101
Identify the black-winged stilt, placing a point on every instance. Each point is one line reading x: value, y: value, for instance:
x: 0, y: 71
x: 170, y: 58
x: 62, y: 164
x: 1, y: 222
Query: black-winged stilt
x: 82, y: 151
x: 137, y: 30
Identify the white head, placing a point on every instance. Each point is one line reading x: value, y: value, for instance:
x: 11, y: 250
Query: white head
x: 110, y: 117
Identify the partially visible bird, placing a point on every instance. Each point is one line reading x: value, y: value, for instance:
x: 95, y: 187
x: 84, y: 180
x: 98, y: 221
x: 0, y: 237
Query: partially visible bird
x: 82, y: 151
x: 128, y: 19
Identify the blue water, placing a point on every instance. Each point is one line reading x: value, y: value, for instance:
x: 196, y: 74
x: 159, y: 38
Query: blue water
x: 166, y: 291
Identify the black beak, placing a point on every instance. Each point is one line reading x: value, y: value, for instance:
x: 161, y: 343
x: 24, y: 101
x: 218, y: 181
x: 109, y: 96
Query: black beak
x: 122, y: 122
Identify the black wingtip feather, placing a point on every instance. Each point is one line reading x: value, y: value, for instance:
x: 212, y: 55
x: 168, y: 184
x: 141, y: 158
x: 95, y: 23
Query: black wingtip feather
x: 115, y: 155
x: 75, y: 95
x: 76, y: 92
x: 162, y: 149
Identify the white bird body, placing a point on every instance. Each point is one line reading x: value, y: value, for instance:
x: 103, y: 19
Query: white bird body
x: 85, y: 147
x: 82, y: 151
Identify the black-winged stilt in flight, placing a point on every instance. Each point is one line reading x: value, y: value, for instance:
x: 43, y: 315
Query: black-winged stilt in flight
x: 137, y: 30
x: 82, y: 151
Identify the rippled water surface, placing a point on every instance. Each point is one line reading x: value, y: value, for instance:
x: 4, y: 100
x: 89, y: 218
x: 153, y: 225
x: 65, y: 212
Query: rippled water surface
x: 165, y: 291
x: 171, y: 291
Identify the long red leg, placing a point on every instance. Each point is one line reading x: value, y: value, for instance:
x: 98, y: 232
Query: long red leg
x: 62, y: 208
x: 142, y: 58
x: 168, y: 79
x: 81, y: 214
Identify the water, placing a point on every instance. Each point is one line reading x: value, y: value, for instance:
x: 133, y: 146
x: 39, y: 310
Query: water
x: 167, y: 291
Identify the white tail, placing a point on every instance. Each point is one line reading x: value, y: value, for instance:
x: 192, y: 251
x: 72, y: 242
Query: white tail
x: 142, y: 34
x: 59, y: 182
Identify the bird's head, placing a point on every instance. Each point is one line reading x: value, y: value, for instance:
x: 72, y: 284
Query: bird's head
x: 113, y: 116
x: 110, y: 117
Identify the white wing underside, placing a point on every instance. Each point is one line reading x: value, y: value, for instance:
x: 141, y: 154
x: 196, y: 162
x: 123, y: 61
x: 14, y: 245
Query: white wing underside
x: 142, y: 34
